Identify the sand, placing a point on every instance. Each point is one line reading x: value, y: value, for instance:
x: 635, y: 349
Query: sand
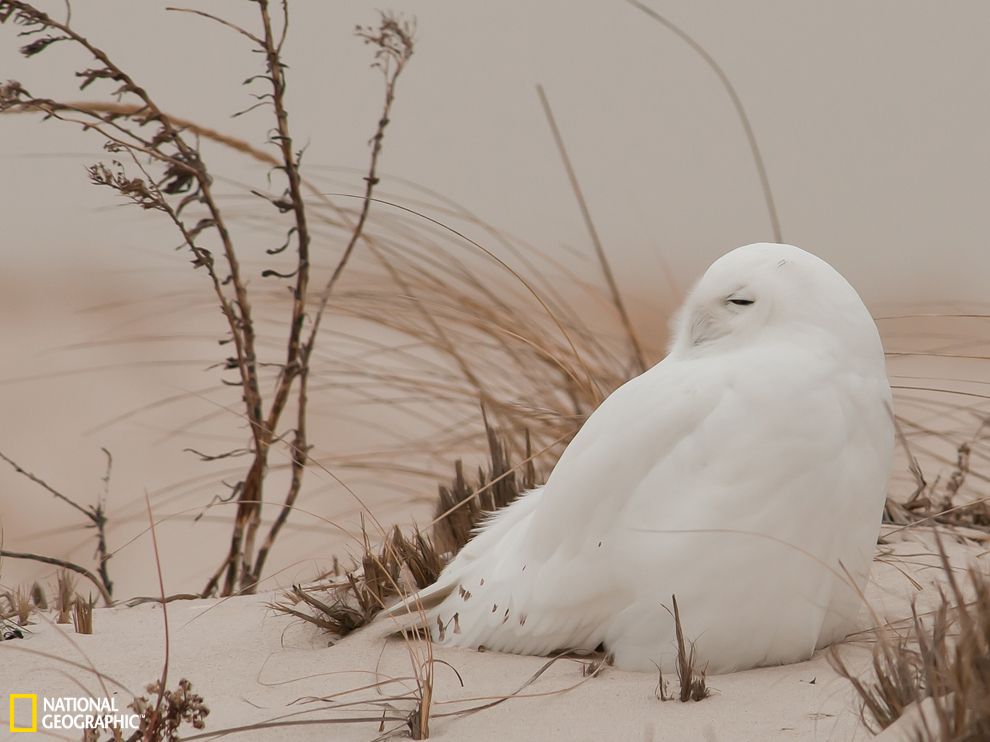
x: 254, y: 666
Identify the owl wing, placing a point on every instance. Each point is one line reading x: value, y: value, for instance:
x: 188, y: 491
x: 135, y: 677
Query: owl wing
x: 532, y: 580
x: 723, y: 479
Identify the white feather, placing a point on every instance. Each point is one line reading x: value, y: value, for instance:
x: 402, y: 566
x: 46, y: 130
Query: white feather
x: 745, y: 473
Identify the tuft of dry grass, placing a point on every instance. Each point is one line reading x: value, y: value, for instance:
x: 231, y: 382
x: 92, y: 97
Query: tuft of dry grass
x: 19, y: 606
x: 692, y: 680
x: 82, y: 614
x: 400, y: 565
x: 418, y: 722
x: 462, y: 505
x: 898, y: 677
x: 938, y: 672
x: 65, y: 596
x: 690, y: 677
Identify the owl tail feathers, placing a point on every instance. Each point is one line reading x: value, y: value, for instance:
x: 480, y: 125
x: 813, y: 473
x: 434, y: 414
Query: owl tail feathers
x: 424, y: 600
x: 484, y: 547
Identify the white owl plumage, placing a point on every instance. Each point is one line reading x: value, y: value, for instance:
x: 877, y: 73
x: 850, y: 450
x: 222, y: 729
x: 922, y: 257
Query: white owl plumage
x: 745, y: 474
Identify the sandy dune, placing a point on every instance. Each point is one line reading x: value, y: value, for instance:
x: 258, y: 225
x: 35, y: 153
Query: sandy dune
x: 255, y: 667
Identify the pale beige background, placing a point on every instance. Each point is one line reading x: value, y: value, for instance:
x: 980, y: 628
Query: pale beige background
x: 872, y: 118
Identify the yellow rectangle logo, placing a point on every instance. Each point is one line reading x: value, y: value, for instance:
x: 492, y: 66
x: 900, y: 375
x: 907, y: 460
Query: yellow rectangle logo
x: 33, y: 697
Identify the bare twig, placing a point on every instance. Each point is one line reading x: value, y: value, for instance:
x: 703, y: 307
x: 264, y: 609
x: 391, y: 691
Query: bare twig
x: 42, y: 483
x: 394, y: 41
x: 65, y: 564
x: 96, y: 515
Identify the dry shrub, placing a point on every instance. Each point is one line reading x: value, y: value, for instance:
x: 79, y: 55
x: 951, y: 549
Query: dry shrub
x: 156, y: 164
x: 940, y: 500
x: 945, y: 657
x: 160, y: 723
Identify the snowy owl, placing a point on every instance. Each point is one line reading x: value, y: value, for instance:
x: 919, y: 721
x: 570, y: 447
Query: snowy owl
x: 745, y: 474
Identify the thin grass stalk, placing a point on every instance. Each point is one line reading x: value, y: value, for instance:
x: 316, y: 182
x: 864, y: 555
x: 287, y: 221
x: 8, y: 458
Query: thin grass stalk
x: 736, y: 103
x: 639, y: 358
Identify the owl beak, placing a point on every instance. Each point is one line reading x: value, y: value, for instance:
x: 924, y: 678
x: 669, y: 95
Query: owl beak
x: 705, y: 327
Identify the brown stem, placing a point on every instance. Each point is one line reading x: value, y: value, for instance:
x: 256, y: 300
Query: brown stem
x: 293, y: 361
x: 300, y: 445
x: 290, y: 165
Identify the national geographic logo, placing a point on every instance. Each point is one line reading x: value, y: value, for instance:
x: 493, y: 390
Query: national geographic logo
x: 62, y: 713
x: 18, y: 701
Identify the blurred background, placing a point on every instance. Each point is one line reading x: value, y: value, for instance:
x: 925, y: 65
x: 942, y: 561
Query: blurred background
x: 871, y: 119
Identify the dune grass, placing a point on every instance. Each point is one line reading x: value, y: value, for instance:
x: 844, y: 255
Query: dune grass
x: 933, y: 679
x: 405, y: 563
